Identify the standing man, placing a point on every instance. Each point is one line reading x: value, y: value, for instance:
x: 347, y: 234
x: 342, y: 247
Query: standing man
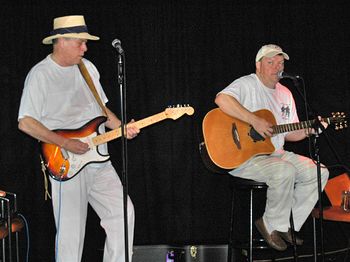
x: 291, y: 178
x: 56, y: 96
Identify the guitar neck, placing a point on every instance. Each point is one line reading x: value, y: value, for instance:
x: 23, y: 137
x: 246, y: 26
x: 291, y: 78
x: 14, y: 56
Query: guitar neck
x: 116, y: 133
x: 278, y: 129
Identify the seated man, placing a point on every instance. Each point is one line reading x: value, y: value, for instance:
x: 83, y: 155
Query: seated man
x: 291, y: 178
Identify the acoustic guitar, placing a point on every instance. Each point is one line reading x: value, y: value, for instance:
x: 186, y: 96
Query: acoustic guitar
x: 229, y: 141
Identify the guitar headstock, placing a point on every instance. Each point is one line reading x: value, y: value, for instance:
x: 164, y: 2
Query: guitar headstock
x: 339, y: 120
x: 174, y: 112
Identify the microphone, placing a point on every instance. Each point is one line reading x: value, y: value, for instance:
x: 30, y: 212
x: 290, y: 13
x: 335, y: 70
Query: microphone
x: 282, y: 74
x: 117, y: 45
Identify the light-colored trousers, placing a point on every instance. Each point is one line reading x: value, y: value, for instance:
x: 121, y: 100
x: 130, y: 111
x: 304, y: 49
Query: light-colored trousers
x: 100, y: 186
x: 292, y: 185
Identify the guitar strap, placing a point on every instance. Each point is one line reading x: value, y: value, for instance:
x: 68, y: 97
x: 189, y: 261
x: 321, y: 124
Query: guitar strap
x: 91, y: 85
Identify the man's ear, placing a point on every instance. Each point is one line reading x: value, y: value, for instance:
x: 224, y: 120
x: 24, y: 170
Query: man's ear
x: 257, y: 66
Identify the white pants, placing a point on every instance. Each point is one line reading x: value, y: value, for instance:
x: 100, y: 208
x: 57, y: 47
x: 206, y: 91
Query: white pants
x: 101, y: 187
x: 292, y: 185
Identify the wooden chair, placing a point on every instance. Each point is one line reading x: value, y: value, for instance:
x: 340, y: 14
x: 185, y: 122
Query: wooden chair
x: 333, y: 189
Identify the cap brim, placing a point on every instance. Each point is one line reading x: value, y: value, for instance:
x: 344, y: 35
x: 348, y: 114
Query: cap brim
x: 273, y: 53
x: 87, y: 36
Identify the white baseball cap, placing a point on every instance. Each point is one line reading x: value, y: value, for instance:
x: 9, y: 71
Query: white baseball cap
x: 270, y: 50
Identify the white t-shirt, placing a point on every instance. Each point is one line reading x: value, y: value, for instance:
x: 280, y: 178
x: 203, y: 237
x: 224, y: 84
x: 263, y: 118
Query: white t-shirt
x: 59, y: 97
x: 254, y: 95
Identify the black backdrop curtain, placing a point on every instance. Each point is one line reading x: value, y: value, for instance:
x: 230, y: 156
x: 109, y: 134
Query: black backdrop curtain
x: 177, y: 52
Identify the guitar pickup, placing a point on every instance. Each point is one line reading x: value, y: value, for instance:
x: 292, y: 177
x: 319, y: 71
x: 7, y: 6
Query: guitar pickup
x: 235, y: 136
x: 64, y: 154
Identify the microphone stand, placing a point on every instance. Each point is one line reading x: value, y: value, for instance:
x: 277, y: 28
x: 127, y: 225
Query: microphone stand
x: 122, y: 90
x: 317, y: 125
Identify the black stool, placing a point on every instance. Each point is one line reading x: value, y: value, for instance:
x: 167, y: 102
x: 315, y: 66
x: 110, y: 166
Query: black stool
x: 9, y: 223
x: 241, y: 184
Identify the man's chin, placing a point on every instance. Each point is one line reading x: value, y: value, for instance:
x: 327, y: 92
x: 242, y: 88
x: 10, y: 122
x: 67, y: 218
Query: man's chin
x: 78, y: 61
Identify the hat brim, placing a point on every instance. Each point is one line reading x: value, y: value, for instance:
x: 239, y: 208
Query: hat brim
x: 87, y: 36
x: 272, y: 54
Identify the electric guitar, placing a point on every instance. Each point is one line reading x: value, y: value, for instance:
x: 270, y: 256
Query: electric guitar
x: 229, y: 141
x: 63, y: 165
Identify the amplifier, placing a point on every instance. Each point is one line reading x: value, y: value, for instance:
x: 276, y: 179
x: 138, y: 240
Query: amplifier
x: 188, y: 253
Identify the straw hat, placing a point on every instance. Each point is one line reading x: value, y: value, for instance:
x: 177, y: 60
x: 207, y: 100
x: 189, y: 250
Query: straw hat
x: 72, y: 26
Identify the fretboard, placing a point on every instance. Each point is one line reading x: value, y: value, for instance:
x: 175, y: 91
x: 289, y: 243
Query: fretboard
x: 116, y: 133
x: 296, y: 126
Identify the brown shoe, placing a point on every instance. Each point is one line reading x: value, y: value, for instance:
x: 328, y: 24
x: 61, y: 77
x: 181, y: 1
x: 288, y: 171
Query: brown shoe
x: 287, y: 236
x: 273, y: 240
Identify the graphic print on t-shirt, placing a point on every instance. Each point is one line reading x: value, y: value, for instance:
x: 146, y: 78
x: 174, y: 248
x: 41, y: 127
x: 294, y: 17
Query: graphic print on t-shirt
x: 285, y: 111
